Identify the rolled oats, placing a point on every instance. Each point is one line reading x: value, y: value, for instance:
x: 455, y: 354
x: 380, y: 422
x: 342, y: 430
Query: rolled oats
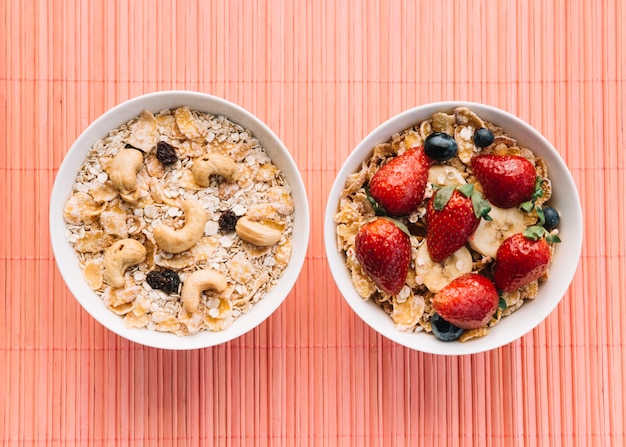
x: 97, y: 216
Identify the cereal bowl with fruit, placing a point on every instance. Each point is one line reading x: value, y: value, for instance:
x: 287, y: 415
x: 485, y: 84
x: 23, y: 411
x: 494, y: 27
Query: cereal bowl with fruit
x: 179, y: 220
x: 453, y: 228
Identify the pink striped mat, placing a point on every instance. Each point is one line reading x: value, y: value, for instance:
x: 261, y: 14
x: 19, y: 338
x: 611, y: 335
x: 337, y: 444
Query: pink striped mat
x: 322, y: 75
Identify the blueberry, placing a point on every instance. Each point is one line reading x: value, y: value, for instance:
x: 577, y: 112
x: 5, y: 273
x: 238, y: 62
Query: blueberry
x: 440, y: 146
x: 443, y: 330
x: 551, y: 218
x: 483, y: 137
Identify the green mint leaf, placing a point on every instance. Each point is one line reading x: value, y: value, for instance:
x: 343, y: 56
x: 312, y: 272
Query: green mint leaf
x: 442, y: 197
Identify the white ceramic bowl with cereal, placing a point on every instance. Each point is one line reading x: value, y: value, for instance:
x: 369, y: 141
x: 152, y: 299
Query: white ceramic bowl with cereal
x: 179, y: 220
x: 432, y: 171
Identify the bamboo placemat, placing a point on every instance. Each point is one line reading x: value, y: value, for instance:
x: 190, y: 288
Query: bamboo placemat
x: 322, y: 75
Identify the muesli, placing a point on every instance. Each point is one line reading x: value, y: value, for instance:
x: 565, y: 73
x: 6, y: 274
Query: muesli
x: 180, y: 221
x: 434, y: 222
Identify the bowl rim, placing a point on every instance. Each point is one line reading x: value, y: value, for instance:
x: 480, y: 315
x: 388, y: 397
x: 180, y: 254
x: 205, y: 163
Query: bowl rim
x: 122, y: 113
x: 500, y: 335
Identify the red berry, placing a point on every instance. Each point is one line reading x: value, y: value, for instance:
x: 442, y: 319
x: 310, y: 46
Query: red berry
x: 519, y: 261
x: 399, y: 185
x: 448, y: 229
x: 507, y: 180
x: 468, y: 302
x: 384, y: 251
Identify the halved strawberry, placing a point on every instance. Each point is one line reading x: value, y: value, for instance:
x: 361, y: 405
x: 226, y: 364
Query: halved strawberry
x: 507, y: 180
x: 521, y: 259
x: 467, y: 302
x: 399, y: 185
x: 384, y: 251
x: 452, y: 216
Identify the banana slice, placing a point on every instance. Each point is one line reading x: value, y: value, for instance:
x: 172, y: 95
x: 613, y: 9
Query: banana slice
x: 444, y: 175
x: 490, y: 234
x: 437, y: 275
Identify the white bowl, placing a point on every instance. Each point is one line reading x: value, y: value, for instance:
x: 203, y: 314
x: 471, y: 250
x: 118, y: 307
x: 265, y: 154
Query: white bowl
x: 564, y: 198
x: 67, y: 260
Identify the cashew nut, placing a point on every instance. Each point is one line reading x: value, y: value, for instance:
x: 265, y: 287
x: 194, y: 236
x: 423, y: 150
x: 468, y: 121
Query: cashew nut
x: 177, y: 241
x: 198, y: 282
x: 123, y: 172
x: 257, y: 233
x: 210, y: 164
x: 118, y: 257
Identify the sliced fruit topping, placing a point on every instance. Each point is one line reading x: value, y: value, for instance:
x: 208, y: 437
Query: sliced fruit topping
x: 452, y: 216
x: 468, y: 302
x: 444, y: 175
x: 437, y: 275
x: 444, y: 330
x: 507, y: 180
x: 491, y: 233
x: 399, y: 185
x: 483, y: 137
x: 384, y: 251
x: 440, y: 146
x: 521, y: 259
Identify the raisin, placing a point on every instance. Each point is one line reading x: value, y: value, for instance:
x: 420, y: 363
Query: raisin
x: 165, y: 280
x: 228, y: 221
x: 166, y: 153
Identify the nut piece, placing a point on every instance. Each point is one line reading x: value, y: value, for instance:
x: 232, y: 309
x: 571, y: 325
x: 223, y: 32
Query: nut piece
x: 177, y: 241
x: 118, y: 257
x: 210, y: 164
x: 198, y: 282
x: 257, y: 233
x: 123, y: 172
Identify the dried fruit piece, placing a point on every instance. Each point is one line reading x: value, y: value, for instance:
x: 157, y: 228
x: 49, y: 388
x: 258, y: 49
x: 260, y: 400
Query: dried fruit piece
x: 165, y: 280
x: 227, y: 221
x: 166, y: 153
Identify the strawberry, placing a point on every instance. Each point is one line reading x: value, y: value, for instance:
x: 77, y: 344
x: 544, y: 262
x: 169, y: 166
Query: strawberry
x: 384, y: 251
x: 399, y: 185
x: 452, y: 216
x: 507, y: 180
x: 521, y: 259
x: 467, y: 302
